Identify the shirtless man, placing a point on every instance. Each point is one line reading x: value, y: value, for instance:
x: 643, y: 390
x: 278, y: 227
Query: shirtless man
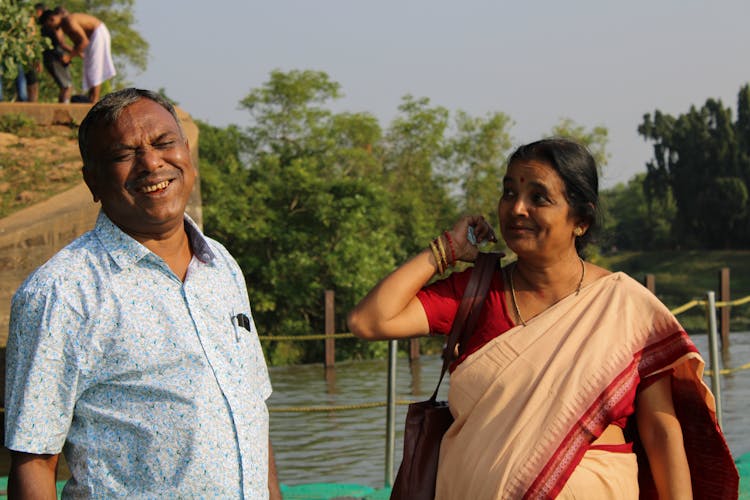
x: 91, y: 41
x: 53, y: 58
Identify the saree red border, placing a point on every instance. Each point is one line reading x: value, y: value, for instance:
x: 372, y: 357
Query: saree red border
x: 704, y: 442
x: 592, y: 423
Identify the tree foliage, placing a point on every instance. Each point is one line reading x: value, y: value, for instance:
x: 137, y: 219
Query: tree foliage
x: 477, y: 161
x: 20, y: 43
x: 288, y: 198
x: 701, y: 158
x: 595, y: 139
x: 631, y: 223
x: 411, y: 152
x: 309, y: 200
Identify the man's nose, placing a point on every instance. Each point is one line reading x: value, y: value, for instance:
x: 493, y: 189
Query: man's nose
x: 149, y: 159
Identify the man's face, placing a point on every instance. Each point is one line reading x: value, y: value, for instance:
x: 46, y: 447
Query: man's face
x: 53, y: 21
x: 142, y: 171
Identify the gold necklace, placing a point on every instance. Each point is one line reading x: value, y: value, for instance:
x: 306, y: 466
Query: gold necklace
x: 513, y: 289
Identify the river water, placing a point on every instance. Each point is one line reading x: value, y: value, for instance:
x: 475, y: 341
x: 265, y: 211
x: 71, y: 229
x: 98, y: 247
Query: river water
x: 349, y: 446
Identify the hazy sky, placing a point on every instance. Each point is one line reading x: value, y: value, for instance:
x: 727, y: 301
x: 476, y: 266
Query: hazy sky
x: 596, y: 62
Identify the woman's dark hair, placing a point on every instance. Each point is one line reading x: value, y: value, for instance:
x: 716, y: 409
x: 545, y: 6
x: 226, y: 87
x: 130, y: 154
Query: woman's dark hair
x: 577, y: 168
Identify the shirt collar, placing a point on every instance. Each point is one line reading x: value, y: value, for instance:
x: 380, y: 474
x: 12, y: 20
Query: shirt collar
x: 125, y: 250
x: 198, y: 243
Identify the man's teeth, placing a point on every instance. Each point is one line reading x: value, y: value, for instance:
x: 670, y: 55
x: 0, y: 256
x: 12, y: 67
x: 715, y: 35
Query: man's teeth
x: 155, y: 187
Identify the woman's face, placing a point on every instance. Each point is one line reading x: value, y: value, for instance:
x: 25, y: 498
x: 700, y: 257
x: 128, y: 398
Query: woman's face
x: 535, y: 218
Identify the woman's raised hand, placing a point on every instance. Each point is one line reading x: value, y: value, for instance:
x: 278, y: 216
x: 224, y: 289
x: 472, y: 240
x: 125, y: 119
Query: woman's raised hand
x: 466, y: 250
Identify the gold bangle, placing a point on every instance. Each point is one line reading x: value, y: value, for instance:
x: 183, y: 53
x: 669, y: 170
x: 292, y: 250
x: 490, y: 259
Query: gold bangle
x: 441, y: 247
x: 436, y: 256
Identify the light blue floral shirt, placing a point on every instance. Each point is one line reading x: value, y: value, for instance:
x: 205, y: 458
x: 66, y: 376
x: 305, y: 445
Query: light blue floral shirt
x: 151, y: 385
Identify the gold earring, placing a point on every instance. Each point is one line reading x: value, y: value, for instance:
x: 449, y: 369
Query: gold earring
x: 578, y: 231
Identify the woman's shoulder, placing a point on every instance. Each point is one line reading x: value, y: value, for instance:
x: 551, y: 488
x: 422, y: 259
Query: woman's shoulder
x: 619, y: 280
x: 594, y: 273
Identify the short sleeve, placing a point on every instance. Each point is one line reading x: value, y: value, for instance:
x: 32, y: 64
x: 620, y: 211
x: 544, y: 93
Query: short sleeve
x: 41, y: 370
x: 441, y: 299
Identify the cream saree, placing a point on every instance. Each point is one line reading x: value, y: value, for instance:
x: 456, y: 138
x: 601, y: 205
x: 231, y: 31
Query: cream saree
x: 528, y: 403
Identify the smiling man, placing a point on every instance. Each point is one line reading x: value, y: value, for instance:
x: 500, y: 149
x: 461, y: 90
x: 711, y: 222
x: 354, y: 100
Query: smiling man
x: 133, y: 349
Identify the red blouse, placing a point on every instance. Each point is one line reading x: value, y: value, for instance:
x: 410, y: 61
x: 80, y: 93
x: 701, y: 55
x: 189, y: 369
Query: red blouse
x: 441, y: 299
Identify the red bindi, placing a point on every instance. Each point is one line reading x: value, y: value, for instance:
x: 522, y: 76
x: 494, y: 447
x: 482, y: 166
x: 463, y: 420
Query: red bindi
x: 522, y: 179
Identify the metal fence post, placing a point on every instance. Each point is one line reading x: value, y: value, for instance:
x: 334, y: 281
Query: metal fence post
x: 390, y: 421
x: 650, y: 282
x: 724, y: 315
x: 713, y: 347
x: 413, y: 349
x: 330, y: 325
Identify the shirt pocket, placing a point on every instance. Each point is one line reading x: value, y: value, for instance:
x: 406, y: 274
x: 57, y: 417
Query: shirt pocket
x: 250, y: 351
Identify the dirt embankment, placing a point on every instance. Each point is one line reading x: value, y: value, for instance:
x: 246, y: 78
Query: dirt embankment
x: 35, y: 167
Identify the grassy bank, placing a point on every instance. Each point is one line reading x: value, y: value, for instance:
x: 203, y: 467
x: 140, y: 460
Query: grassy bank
x: 687, y: 275
x: 36, y: 162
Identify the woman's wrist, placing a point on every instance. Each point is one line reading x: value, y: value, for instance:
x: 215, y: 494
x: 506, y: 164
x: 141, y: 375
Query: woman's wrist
x: 443, y: 252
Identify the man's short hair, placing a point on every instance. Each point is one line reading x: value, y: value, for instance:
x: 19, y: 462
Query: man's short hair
x: 106, y: 112
x: 46, y: 15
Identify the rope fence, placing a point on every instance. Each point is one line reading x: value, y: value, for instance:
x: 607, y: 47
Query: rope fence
x: 378, y: 404
x: 312, y: 409
x: 719, y: 305
x: 323, y: 336
x: 320, y: 336
x: 728, y: 371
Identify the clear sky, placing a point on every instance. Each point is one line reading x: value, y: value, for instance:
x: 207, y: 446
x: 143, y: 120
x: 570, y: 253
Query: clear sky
x: 597, y: 62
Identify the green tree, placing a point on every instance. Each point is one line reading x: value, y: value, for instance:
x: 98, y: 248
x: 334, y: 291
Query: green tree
x: 630, y: 223
x: 477, y: 161
x: 725, y: 198
x: 289, y: 198
x: 742, y: 133
x: 413, y: 148
x: 19, y: 41
x: 701, y: 157
x: 595, y: 140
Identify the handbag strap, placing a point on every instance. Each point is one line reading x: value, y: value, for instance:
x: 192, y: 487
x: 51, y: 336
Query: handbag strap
x: 467, y: 315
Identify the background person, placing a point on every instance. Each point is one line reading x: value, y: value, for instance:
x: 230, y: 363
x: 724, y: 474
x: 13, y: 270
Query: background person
x: 28, y: 81
x: 55, y: 57
x: 571, y: 369
x: 134, y: 347
x: 92, y: 42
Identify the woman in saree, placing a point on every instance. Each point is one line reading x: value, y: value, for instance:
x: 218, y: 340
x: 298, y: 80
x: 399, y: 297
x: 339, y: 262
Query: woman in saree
x: 577, y: 382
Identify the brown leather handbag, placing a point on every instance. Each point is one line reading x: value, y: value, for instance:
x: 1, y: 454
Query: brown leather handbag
x: 427, y: 421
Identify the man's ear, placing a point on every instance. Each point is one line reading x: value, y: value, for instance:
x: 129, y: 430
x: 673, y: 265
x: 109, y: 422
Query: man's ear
x: 90, y: 178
